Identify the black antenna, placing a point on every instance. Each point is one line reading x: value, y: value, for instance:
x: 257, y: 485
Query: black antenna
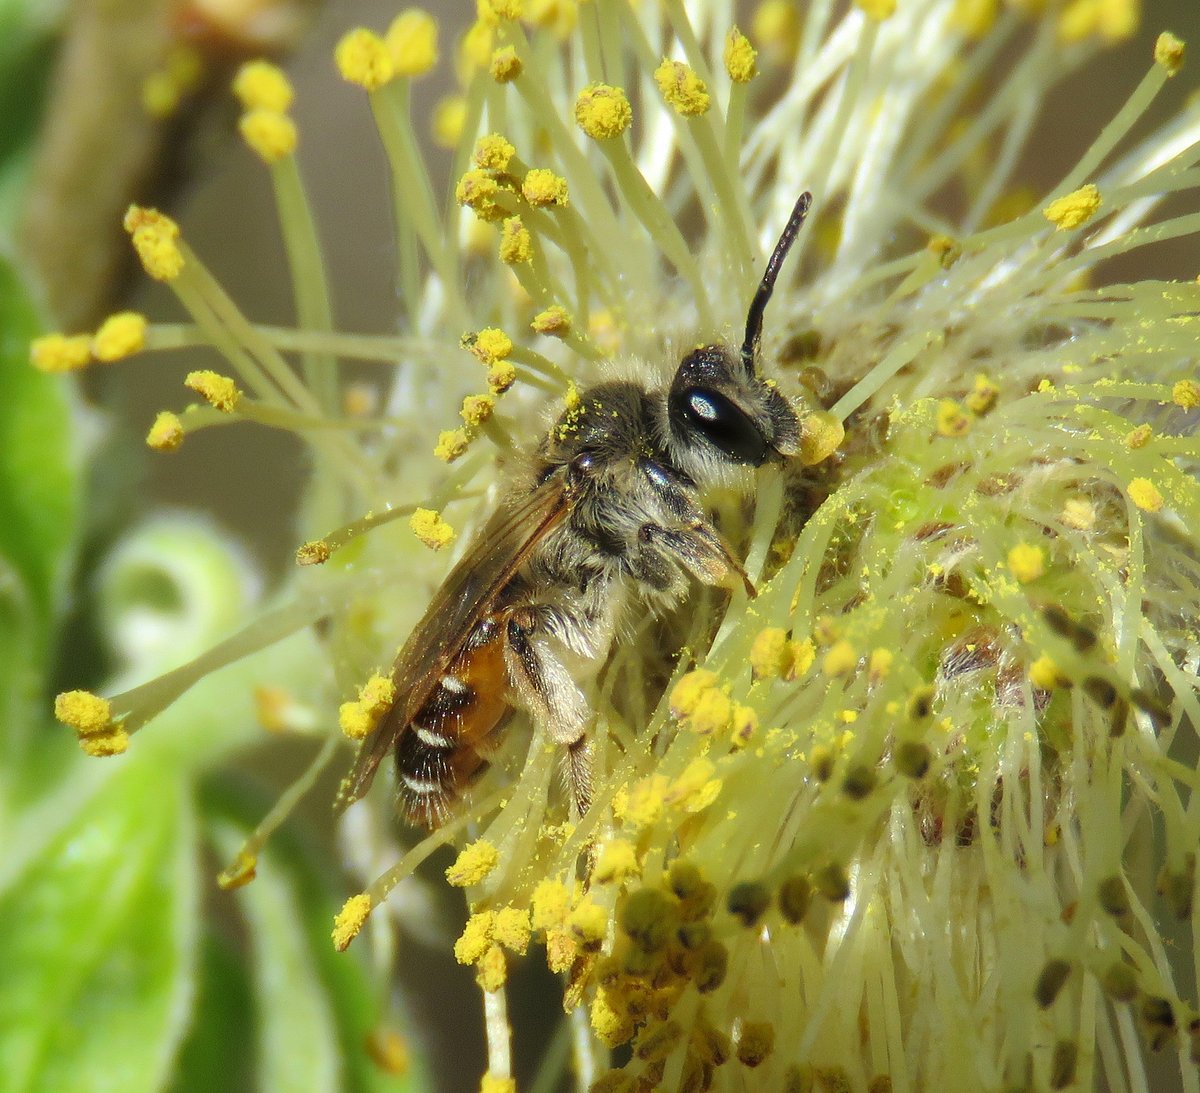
x: 754, y: 317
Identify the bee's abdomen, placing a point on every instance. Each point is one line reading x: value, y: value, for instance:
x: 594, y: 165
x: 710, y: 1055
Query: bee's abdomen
x: 442, y: 749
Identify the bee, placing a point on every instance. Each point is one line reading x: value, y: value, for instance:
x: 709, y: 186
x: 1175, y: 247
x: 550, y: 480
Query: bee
x: 609, y: 514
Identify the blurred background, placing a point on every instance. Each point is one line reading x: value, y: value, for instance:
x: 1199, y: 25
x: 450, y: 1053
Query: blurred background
x: 78, y: 145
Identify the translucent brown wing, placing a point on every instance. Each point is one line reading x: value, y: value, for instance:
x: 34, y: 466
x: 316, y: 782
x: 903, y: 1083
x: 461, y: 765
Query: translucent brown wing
x: 464, y: 598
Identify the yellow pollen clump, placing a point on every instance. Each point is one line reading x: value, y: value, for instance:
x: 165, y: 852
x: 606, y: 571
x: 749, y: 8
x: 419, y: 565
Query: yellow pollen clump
x: 493, y: 153
x: 1073, y: 209
x: 554, y: 322
x: 711, y: 712
x: 356, y: 719
x: 412, y: 41
x: 512, y: 929
x: 1186, y: 394
x: 1139, y: 437
x: 516, y: 244
x: 743, y: 724
x: 476, y: 409
x: 104, y: 744
x: 505, y: 65
x: 156, y: 240
x: 1145, y: 494
x: 696, y: 788
x: 616, y: 863
x: 983, y: 397
x: 477, y: 190
x: 218, y: 391
x: 588, y: 922
x: 952, y: 421
x: 550, y: 903
x: 451, y: 444
x: 770, y: 656
x: 682, y: 88
x: 1026, y: 562
x: 820, y: 435
x: 642, y: 804
x: 448, y: 121
x: 350, y: 919
x: 1044, y: 673
x: 491, y: 345
x: 603, y: 111
x: 88, y: 714
x: 494, y: 12
x: 560, y: 16
x: 804, y: 655
x: 879, y: 10
x: 241, y: 872
x: 491, y: 973
x: 363, y: 58
x: 741, y: 58
x: 428, y: 526
x: 260, y: 85
x: 975, y: 17
x: 60, y: 352
x: 501, y: 376
x: 476, y: 938
x: 1168, y: 52
x: 1079, y: 513
x: 166, y: 434
x: 542, y: 188
x: 776, y: 26
x: 314, y: 552
x: 270, y: 134
x: 840, y: 659
x: 612, y: 1026
x: 120, y: 335
x: 880, y: 664
x: 691, y: 688
x: 473, y: 864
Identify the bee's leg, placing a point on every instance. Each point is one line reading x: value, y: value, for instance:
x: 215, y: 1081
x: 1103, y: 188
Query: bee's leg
x: 546, y: 689
x: 700, y: 550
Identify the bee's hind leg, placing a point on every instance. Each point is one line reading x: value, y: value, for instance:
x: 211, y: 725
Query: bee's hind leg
x: 548, y: 691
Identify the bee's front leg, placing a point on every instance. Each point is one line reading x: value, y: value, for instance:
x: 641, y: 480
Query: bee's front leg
x: 545, y: 687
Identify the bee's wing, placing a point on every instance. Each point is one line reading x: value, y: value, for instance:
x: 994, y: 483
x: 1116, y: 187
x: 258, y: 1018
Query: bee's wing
x: 464, y: 598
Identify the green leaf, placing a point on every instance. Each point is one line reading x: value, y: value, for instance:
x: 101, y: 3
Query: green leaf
x: 96, y: 943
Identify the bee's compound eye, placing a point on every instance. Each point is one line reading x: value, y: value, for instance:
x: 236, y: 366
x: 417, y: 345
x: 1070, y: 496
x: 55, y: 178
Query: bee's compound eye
x: 721, y: 422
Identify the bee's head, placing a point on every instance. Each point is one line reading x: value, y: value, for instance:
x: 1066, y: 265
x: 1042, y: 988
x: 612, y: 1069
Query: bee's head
x: 718, y: 401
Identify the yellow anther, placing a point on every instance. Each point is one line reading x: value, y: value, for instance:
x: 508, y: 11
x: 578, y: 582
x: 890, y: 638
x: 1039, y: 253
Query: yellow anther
x: 512, y: 929
x: 1169, y: 51
x: 218, y: 391
x: 1145, y: 494
x: 1186, y: 394
x: 1073, y: 209
x: 494, y: 12
x: 682, y: 88
x: 516, y: 244
x: 1079, y: 513
x: 804, y: 655
x: 711, y: 712
x: 449, y: 120
x: 428, y: 526
x: 60, y: 352
x: 501, y: 376
x: 603, y: 111
x: 476, y: 409
x: 120, y: 335
x: 270, y: 134
x: 493, y: 153
x: 505, y: 66
x: 412, y: 41
x: 588, y: 921
x: 478, y: 190
x: 490, y: 345
x: 314, y: 552
x: 743, y: 725
x: 166, y: 434
x: 951, y: 419
x: 104, y: 744
x: 975, y: 18
x: 616, y: 863
x: 1139, y: 437
x: 821, y: 434
x: 475, y: 50
x: 769, y: 653
x: 550, y: 904
x: 840, y: 659
x: 756, y: 1042
x: 1044, y: 673
x: 1026, y: 562
x: 350, y: 919
x: 879, y: 10
x: 358, y: 718
x: 690, y: 689
x: 542, y: 188
x: 695, y: 788
x: 474, y: 862
x: 776, y: 26
x: 560, y: 16
x: 880, y: 664
x: 611, y: 1025
x: 741, y: 58
x: 260, y: 85
x: 642, y: 804
x: 88, y: 714
x: 241, y: 871
x: 983, y: 396
x: 363, y: 58
x: 554, y: 322
x: 451, y: 444
x: 492, y: 1083
x: 156, y: 240
x: 476, y: 938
